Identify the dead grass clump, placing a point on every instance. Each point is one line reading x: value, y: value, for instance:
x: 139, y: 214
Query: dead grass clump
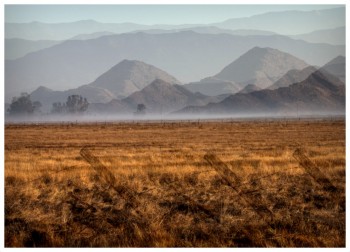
x: 21, y: 233
x: 13, y: 181
x: 101, y: 170
x: 226, y: 174
x: 191, y: 179
x: 168, y: 178
x: 313, y: 170
x: 46, y: 179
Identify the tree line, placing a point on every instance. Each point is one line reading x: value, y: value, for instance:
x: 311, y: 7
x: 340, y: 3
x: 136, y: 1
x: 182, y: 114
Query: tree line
x: 23, y: 105
x: 75, y: 104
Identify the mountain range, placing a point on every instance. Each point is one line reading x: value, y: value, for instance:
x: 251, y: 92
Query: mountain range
x: 241, y: 65
x: 159, y: 97
x: 320, y: 92
x: 161, y: 93
x: 18, y: 47
x: 260, y: 67
x: 335, y: 67
x: 285, y: 22
x: 289, y: 22
x: 187, y: 55
x: 335, y: 36
x: 211, y: 30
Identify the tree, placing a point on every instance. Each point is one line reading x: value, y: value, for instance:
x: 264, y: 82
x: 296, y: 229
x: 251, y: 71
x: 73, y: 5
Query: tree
x: 37, y: 105
x: 58, y: 108
x: 140, y: 109
x: 23, y: 105
x: 76, y: 103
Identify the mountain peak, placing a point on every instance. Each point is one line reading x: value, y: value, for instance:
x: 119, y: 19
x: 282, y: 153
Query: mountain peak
x: 249, y: 88
x: 42, y: 89
x: 129, y: 63
x: 160, y: 96
x: 336, y: 67
x: 260, y: 52
x: 337, y: 60
x: 160, y: 82
x: 129, y: 76
x: 293, y: 76
x: 262, y: 49
x: 260, y: 66
x: 324, y: 78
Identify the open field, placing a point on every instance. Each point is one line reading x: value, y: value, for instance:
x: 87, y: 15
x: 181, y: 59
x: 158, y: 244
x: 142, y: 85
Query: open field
x: 176, y: 184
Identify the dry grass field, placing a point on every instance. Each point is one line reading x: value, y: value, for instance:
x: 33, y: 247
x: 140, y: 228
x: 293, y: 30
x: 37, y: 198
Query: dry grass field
x: 176, y: 184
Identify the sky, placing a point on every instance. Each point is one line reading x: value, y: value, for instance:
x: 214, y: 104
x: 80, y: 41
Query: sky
x: 143, y: 13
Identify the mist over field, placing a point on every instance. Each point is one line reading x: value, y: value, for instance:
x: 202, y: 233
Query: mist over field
x: 178, y: 117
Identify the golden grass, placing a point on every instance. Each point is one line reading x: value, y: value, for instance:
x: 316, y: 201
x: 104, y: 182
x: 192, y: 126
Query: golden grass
x: 176, y: 184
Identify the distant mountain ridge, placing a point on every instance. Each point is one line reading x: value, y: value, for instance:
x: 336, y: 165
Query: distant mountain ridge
x: 318, y: 93
x: 210, y: 30
x: 63, y: 31
x: 335, y: 36
x: 289, y: 22
x: 16, y: 48
x: 292, y: 22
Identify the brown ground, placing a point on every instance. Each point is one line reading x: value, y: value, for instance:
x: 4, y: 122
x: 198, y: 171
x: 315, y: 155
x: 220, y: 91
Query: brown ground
x: 176, y: 184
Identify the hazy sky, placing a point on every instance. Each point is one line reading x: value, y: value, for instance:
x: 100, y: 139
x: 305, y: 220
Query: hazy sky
x: 143, y: 14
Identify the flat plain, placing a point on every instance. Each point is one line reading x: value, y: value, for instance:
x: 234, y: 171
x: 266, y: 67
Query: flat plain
x: 262, y: 183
